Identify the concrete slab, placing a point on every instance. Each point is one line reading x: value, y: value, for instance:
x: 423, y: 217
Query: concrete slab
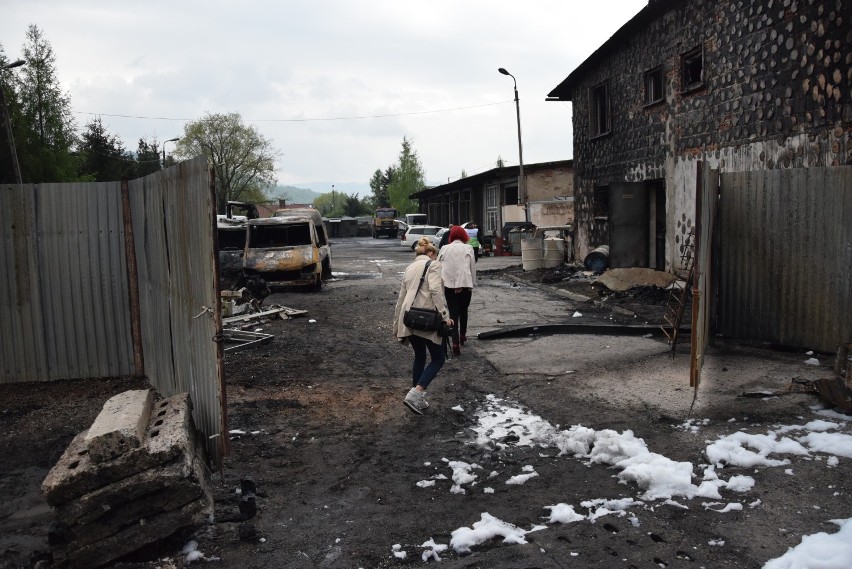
x: 139, y: 535
x: 169, y: 434
x: 120, y: 426
x: 110, y: 513
x: 160, y: 479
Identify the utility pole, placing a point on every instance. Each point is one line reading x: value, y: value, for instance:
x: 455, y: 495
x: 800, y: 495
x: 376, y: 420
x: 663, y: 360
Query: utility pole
x: 5, y: 108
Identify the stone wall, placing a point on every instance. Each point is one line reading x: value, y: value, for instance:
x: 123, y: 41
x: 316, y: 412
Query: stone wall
x: 777, y: 77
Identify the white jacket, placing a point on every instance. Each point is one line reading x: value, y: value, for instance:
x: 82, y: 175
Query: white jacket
x: 431, y: 295
x: 458, y: 265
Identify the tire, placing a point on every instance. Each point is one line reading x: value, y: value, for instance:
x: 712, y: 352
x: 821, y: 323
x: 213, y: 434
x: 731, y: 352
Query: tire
x: 326, y: 269
x: 317, y: 286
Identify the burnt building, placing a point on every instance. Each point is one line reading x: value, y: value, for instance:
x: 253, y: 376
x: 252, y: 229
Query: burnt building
x: 740, y: 86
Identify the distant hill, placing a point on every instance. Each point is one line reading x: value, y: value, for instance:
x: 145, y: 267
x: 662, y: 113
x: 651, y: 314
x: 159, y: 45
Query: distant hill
x: 293, y: 194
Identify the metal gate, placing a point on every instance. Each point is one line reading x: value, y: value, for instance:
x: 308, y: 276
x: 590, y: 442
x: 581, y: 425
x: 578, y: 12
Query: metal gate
x: 785, y: 257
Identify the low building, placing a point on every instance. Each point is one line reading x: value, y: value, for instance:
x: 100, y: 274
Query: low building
x: 491, y: 200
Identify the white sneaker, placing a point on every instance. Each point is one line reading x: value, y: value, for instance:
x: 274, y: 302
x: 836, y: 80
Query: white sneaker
x: 415, y: 401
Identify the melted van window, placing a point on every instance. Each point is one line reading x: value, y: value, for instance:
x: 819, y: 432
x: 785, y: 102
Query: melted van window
x: 232, y: 239
x: 268, y: 236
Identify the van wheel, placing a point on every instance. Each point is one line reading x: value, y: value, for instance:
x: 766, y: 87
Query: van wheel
x: 317, y: 286
x: 326, y: 269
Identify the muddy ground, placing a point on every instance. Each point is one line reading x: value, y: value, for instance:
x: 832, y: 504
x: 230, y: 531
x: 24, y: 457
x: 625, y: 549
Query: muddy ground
x: 336, y: 456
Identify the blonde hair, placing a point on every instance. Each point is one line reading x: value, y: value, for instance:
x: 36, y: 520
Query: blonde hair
x: 425, y: 246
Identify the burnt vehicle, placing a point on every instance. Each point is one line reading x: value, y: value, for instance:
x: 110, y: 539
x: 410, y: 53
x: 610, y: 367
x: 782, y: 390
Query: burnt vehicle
x: 231, y: 235
x: 322, y: 233
x: 285, y: 252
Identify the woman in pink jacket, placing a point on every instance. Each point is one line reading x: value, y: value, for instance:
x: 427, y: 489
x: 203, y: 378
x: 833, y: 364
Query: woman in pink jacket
x: 458, y: 271
x: 430, y: 295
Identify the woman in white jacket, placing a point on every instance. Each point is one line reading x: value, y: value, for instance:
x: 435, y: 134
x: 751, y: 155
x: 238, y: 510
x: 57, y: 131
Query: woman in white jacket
x: 431, y: 296
x: 458, y: 271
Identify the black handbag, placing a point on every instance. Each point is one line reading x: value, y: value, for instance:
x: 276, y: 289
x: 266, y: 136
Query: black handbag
x: 425, y: 319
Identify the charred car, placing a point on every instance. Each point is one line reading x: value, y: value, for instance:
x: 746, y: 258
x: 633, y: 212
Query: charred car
x: 286, y: 252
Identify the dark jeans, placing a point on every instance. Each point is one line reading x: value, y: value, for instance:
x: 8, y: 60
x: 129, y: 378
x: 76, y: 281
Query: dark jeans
x: 423, y: 374
x: 458, y: 304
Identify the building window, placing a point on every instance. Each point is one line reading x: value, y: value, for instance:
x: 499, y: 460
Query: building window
x: 692, y: 69
x: 654, y: 85
x: 600, y: 120
x: 491, y: 205
x: 600, y: 201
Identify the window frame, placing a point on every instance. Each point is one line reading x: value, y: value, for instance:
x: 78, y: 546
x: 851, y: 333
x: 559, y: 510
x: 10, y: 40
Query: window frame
x: 655, y: 78
x: 696, y: 53
x: 596, y: 130
x: 600, y: 201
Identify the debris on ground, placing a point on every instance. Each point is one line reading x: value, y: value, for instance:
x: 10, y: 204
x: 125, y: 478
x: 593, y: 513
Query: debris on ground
x: 622, y: 280
x: 273, y: 312
x: 133, y: 478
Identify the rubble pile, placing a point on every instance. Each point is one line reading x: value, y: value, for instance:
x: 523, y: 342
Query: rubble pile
x: 134, y: 477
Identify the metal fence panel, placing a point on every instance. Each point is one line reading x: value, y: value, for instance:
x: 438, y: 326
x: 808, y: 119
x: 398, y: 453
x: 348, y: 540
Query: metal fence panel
x: 63, y: 298
x: 173, y: 220
x: 785, y: 257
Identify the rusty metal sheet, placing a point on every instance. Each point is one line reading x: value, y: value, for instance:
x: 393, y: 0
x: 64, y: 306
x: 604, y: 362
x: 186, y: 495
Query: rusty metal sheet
x: 785, y: 244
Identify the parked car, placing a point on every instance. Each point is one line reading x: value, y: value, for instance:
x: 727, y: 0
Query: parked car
x: 285, y: 252
x: 415, y: 232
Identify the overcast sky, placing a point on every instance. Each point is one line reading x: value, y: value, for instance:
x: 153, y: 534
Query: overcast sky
x: 303, y: 71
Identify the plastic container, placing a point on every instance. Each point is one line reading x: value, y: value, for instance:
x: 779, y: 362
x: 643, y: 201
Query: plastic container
x: 531, y: 254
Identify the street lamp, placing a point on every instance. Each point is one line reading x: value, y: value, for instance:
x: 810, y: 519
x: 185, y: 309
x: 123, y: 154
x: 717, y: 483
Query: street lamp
x: 522, y: 185
x: 164, y: 148
x: 5, y: 108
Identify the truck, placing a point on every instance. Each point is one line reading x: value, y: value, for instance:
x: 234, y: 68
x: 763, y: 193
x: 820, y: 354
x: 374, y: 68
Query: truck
x: 384, y: 222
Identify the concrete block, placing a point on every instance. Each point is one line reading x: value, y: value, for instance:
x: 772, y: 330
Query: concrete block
x: 169, y: 434
x: 110, y: 513
x: 158, y: 480
x: 140, y: 534
x: 120, y: 426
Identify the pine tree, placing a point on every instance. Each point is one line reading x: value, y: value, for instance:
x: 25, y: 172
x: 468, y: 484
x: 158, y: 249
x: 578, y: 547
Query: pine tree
x: 408, y: 178
x: 102, y: 157
x: 48, y: 130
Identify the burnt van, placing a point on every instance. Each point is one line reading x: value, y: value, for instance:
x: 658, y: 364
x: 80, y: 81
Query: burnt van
x: 286, y: 252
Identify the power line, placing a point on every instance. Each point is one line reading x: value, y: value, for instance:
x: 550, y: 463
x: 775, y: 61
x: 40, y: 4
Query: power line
x: 359, y: 117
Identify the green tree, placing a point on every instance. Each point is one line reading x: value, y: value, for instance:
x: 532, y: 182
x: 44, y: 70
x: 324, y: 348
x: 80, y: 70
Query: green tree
x: 44, y: 147
x: 102, y: 157
x: 242, y: 158
x: 327, y: 206
x: 353, y: 206
x: 408, y: 178
x: 147, y: 157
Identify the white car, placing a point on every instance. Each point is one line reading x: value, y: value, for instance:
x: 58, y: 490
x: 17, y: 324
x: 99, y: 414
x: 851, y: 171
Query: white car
x: 415, y: 232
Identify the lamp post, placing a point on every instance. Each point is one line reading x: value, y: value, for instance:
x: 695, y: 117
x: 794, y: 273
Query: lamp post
x: 522, y: 184
x: 5, y: 109
x: 164, y: 148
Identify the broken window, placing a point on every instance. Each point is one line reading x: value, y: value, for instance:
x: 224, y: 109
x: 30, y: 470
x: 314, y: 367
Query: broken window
x: 654, y: 85
x: 599, y: 120
x: 692, y: 69
x: 291, y: 234
x: 600, y: 201
x: 232, y: 239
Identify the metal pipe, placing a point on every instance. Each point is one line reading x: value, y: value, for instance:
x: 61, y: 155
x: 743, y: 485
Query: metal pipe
x: 5, y: 108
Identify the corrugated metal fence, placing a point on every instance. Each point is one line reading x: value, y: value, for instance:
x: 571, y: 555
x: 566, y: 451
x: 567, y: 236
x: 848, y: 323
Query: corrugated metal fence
x: 785, y: 257
x: 65, y: 296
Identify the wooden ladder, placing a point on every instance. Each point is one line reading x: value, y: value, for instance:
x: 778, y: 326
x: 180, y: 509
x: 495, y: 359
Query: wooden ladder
x: 680, y: 292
